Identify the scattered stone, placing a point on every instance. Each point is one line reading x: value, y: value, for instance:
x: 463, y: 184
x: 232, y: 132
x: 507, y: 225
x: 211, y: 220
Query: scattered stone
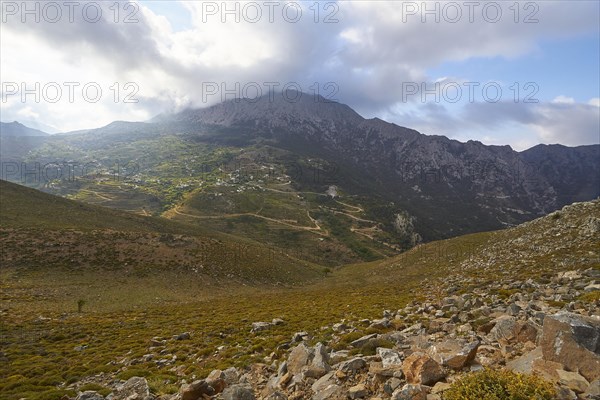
x: 389, y: 358
x: 238, y: 392
x: 505, y: 328
x: 299, y: 357
x: 183, y: 336
x: 196, y: 390
x: 358, y: 391
x: 216, y: 379
x: 352, y: 365
x: 231, y: 376
x: 391, y: 385
x: 89, y: 395
x: 360, y: 342
x: 410, y: 392
x: 276, y: 396
x: 440, y: 387
x: 573, y: 381
x: 134, y: 388
x: 593, y: 390
x: 260, y: 326
x: 300, y: 336
x: 526, y: 332
x: 331, y: 392
x: 156, y: 342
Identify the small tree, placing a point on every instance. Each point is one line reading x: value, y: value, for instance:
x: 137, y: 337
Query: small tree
x: 80, y: 304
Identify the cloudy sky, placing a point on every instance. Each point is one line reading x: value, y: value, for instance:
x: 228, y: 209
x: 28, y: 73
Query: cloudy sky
x: 506, y: 72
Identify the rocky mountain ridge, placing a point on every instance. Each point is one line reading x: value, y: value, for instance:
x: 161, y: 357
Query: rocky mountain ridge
x: 17, y: 129
x: 449, y: 187
x: 494, y: 184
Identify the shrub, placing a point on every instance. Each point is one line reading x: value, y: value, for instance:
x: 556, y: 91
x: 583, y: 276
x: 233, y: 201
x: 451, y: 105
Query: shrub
x: 500, y: 385
x: 104, y: 391
x: 590, y: 297
x: 80, y: 304
x: 370, y: 348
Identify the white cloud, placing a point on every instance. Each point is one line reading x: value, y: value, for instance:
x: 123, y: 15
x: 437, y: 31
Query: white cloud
x: 563, y: 100
x: 370, y: 53
x: 568, y: 123
x: 521, y: 125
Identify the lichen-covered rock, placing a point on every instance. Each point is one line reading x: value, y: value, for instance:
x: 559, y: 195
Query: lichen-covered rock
x: 574, y: 341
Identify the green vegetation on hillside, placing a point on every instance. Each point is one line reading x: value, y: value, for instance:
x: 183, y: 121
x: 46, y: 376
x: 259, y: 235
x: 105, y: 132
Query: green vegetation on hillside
x: 131, y: 304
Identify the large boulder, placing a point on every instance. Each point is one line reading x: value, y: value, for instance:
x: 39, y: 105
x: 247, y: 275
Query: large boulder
x: 312, y: 362
x: 453, y: 353
x: 420, y: 368
x: 574, y: 341
x: 299, y: 357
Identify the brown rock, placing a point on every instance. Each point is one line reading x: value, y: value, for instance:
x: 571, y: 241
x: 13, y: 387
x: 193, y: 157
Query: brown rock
x: 285, y: 379
x: 300, y: 356
x: 196, y: 390
x: 420, y: 368
x: 547, y: 369
x: 573, y: 381
x: 358, y: 391
x: 526, y: 332
x: 216, y: 379
x: 574, y: 341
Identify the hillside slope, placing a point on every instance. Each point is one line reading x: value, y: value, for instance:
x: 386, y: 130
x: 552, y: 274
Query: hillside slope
x: 132, y: 330
x: 17, y: 129
x: 53, y: 238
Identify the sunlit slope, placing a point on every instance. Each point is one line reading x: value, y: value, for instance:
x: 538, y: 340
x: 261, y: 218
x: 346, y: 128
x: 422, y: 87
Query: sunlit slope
x: 54, y: 239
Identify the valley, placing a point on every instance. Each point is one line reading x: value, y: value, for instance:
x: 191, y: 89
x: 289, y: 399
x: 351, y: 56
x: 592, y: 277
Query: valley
x: 144, y: 259
x: 141, y: 287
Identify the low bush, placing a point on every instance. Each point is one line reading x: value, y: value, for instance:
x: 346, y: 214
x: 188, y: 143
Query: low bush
x: 500, y: 385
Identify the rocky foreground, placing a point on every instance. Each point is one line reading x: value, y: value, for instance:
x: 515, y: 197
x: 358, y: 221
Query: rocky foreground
x: 547, y: 325
x: 525, y: 332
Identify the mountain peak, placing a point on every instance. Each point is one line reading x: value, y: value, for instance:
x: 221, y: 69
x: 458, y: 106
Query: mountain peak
x: 274, y: 109
x: 16, y: 128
